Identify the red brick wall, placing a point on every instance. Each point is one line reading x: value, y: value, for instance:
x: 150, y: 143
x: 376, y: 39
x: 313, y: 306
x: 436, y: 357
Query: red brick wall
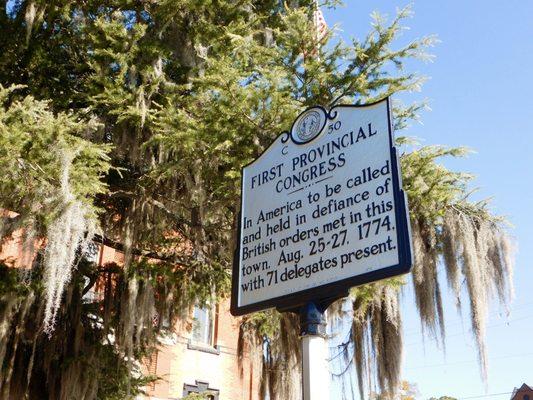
x: 523, y: 393
x: 175, y: 362
x: 179, y: 365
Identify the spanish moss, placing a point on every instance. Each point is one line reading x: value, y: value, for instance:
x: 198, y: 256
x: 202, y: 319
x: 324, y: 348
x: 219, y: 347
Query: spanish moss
x: 68, y: 234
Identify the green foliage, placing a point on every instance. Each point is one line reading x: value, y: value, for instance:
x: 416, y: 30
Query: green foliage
x: 33, y: 144
x: 197, y: 396
x: 430, y: 186
x: 10, y: 284
x: 78, y: 360
x: 408, y: 391
x: 442, y: 398
x: 116, y: 381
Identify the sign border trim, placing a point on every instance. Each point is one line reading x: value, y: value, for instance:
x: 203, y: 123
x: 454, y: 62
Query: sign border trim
x: 318, y: 293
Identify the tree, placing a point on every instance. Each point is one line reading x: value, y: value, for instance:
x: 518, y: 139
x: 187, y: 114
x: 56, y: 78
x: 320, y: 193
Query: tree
x: 127, y: 122
x: 442, y: 398
x: 408, y: 391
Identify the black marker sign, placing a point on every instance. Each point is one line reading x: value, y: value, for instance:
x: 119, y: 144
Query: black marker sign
x: 322, y: 210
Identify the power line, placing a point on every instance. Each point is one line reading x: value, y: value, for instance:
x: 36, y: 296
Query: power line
x: 413, y: 332
x: 455, y: 322
x: 471, y: 361
x: 514, y: 392
x: 484, y: 395
x: 488, y: 326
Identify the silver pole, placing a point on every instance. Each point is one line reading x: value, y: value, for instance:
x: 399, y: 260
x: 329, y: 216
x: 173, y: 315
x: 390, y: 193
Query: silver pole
x: 315, y: 379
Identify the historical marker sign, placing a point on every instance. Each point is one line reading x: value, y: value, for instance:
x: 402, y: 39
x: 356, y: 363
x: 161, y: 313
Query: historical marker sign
x: 322, y: 210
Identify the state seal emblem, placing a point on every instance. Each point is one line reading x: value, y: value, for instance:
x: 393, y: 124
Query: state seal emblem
x: 308, y: 125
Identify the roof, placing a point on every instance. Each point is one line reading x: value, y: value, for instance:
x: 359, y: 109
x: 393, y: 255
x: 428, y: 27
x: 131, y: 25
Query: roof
x: 523, y: 388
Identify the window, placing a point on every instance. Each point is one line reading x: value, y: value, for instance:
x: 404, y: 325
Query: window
x: 201, y: 387
x: 202, y: 329
x: 93, y: 294
x: 526, y: 397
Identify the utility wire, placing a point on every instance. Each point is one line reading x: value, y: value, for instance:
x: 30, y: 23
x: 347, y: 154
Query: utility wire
x: 484, y: 395
x: 488, y: 326
x: 492, y: 395
x: 454, y: 322
x: 471, y: 361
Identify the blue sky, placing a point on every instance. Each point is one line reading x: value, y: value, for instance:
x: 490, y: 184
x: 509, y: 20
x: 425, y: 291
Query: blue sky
x: 480, y: 94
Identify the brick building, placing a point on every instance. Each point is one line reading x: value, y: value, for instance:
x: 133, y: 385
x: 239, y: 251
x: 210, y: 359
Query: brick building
x: 204, y: 359
x: 524, y: 392
x: 199, y: 356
